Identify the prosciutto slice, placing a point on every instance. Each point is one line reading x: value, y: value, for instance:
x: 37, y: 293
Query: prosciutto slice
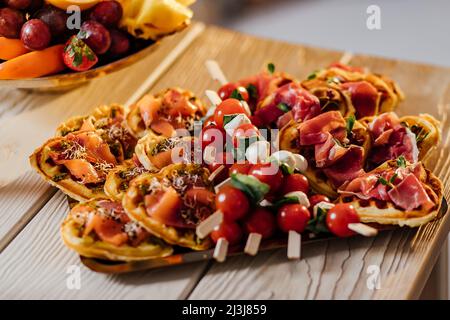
x: 410, y: 194
x: 303, y: 104
x: 405, y: 191
x: 348, y: 167
x: 364, y: 96
x: 391, y: 140
x: 315, y: 130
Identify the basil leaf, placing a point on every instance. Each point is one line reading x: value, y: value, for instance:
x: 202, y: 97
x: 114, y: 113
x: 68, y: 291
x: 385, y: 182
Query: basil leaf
x: 285, y: 200
x: 318, y: 224
x: 383, y: 181
x: 271, y: 68
x: 236, y: 95
x: 252, y: 91
x: 228, y: 117
x: 350, y: 123
x: 283, y: 107
x: 401, y: 162
x: 251, y: 186
x: 392, y: 179
x: 286, y: 170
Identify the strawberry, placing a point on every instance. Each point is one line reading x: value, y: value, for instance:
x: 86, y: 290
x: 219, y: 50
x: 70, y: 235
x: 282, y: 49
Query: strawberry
x: 78, y: 56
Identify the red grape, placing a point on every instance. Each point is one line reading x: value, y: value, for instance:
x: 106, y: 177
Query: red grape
x: 120, y: 44
x: 11, y: 21
x: 107, y: 13
x: 55, y: 18
x: 96, y: 36
x: 18, y: 4
x: 35, y: 34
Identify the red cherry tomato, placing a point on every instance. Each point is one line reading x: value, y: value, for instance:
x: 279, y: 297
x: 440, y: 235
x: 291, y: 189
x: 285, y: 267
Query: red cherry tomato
x: 222, y: 158
x: 295, y: 182
x: 229, y: 230
x: 293, y: 217
x: 339, y: 217
x: 261, y: 221
x: 229, y: 106
x: 242, y: 168
x: 209, y: 121
x: 315, y: 199
x: 232, y: 202
x: 214, y: 135
x: 246, y: 130
x: 226, y: 90
x: 267, y: 173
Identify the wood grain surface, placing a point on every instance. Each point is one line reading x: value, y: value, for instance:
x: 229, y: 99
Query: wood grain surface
x: 34, y: 264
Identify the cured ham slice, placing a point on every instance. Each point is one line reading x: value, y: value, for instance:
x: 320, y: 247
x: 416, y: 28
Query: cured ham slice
x: 265, y: 83
x: 346, y: 67
x: 148, y: 107
x: 348, y: 167
x: 163, y: 127
x: 178, y: 104
x: 292, y: 96
x: 391, y: 140
x: 315, y: 130
x: 95, y: 146
x: 82, y: 170
x: 364, y: 96
x: 409, y: 194
x: 328, y: 152
x: 164, y: 206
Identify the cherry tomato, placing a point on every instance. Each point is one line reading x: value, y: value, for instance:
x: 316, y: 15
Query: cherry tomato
x: 339, y: 217
x: 242, y: 168
x: 315, y: 199
x: 209, y: 121
x: 229, y: 230
x: 261, y: 221
x: 226, y: 90
x: 214, y: 135
x: 267, y: 173
x: 229, y: 106
x: 222, y: 158
x: 232, y: 202
x: 293, y: 217
x: 246, y: 130
x: 295, y: 182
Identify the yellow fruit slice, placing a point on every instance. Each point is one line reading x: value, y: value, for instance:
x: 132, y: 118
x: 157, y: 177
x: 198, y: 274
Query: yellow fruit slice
x: 64, y: 4
x: 152, y: 19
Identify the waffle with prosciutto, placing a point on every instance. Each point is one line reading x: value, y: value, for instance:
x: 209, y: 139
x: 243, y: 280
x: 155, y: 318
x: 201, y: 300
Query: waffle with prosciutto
x: 344, y: 157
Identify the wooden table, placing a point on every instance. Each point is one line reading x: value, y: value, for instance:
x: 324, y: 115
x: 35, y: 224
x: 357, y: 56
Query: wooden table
x: 34, y: 263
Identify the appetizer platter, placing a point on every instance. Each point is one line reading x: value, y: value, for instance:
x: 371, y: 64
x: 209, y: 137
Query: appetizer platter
x: 61, y: 44
x: 171, y: 179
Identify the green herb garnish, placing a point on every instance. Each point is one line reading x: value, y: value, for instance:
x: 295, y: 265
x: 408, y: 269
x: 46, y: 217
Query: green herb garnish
x: 228, y: 117
x: 401, y: 162
x: 271, y: 68
x: 318, y: 224
x: 59, y: 177
x: 236, y: 95
x: 283, y: 107
x: 350, y: 123
x: 312, y: 75
x: 252, y: 91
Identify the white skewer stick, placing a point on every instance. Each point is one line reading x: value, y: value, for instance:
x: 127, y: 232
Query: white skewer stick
x: 253, y: 242
x: 346, y: 57
x: 363, y: 229
x: 213, y: 97
x: 294, y: 245
x: 209, y: 224
x: 221, y: 250
x: 215, y: 71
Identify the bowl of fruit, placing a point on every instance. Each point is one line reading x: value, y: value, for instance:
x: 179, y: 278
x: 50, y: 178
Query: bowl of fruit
x: 59, y: 44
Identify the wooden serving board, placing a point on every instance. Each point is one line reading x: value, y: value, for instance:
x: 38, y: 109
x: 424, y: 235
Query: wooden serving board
x: 34, y: 262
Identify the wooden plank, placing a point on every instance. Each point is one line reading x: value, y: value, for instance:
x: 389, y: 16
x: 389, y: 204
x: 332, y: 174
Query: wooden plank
x: 23, y: 198
x: 337, y: 269
x: 37, y: 265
